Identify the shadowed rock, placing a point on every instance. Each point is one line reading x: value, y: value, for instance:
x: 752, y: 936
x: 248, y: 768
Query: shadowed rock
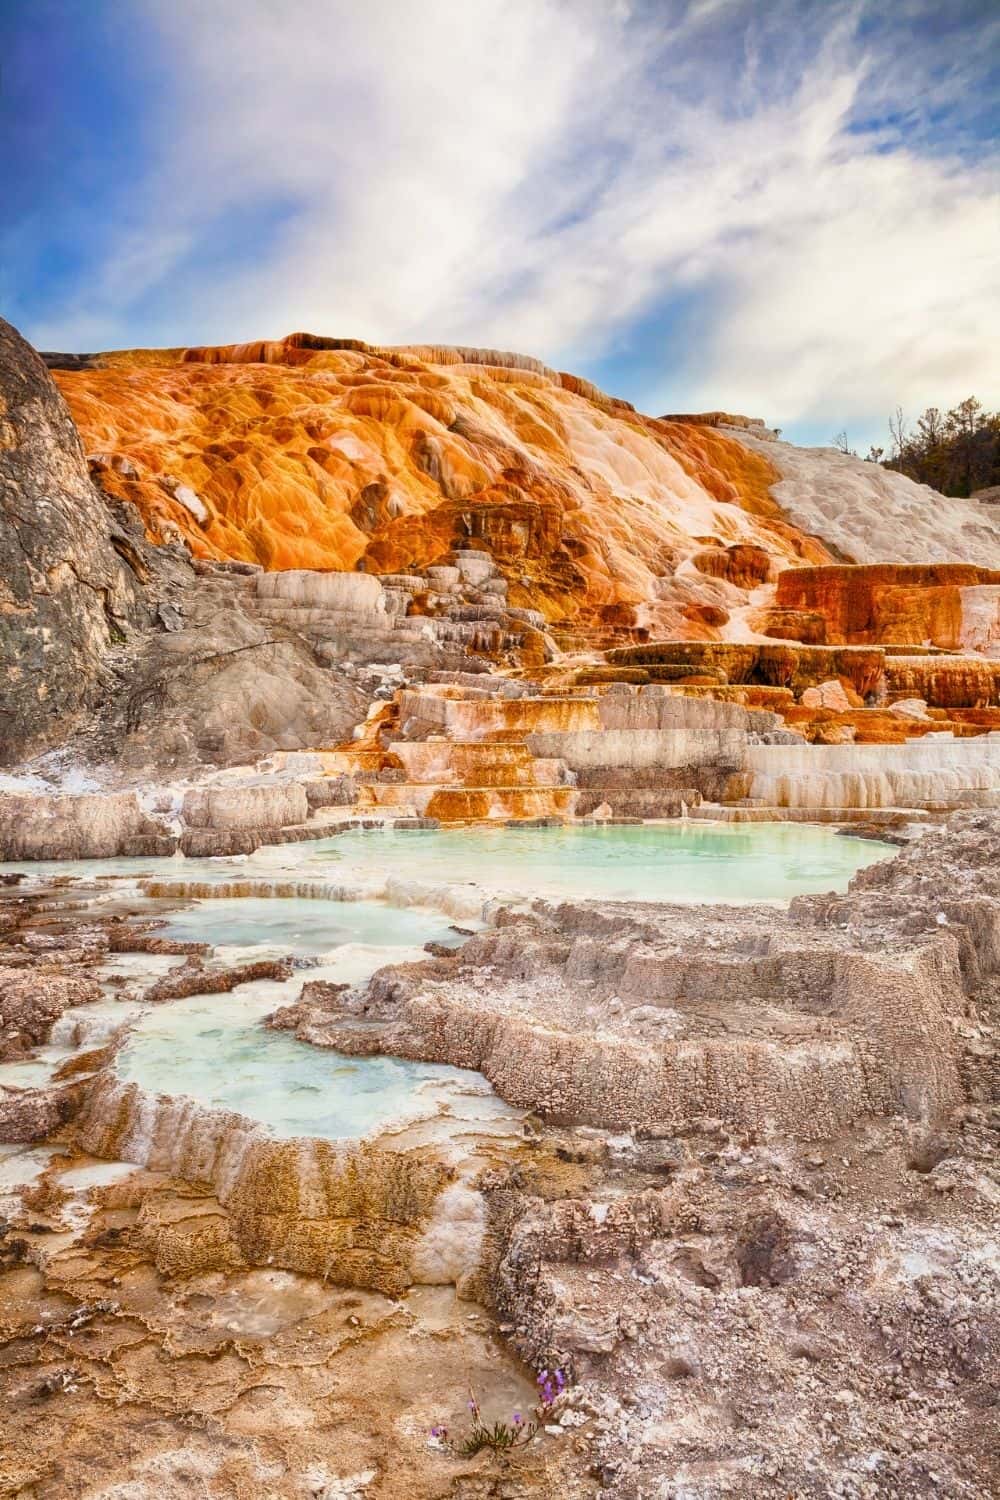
x: 66, y: 596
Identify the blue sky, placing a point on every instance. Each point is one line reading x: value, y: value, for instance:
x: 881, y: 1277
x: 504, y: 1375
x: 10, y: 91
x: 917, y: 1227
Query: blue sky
x: 787, y: 209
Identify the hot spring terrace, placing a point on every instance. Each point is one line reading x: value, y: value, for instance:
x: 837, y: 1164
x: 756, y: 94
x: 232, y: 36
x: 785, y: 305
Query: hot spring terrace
x: 340, y: 1038
x: 465, y: 871
x: 478, y: 748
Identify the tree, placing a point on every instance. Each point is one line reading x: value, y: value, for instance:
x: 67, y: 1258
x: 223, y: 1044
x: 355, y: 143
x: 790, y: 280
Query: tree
x: 956, y: 452
x: 897, y: 432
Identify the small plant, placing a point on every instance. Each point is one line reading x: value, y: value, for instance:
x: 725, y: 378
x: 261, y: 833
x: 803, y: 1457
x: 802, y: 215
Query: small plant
x: 501, y: 1437
x: 550, y: 1386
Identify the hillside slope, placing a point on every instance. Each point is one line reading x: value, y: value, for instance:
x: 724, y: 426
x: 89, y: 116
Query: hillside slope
x: 874, y: 515
x: 295, y: 456
x: 333, y: 454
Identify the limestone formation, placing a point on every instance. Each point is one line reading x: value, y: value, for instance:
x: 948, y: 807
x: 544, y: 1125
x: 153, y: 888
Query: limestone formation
x: 736, y: 1199
x: 246, y: 806
x: 307, y: 1205
x: 868, y: 514
x: 419, y: 511
x: 90, y: 825
x: 396, y: 458
x: 759, y: 1171
x: 948, y: 605
x: 30, y: 1002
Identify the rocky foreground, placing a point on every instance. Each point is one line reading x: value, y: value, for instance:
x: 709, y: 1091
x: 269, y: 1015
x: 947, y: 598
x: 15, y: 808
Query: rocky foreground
x: 752, y: 1219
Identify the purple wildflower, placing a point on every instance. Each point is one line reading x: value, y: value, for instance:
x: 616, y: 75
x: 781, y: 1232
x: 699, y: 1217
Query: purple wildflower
x: 518, y: 1419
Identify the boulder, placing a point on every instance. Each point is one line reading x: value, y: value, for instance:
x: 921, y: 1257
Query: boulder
x: 32, y: 1114
x: 350, y: 591
x: 830, y: 695
x: 909, y: 708
x: 744, y: 564
x: 29, y: 1003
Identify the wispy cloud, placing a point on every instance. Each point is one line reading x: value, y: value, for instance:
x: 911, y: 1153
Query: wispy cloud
x: 543, y: 175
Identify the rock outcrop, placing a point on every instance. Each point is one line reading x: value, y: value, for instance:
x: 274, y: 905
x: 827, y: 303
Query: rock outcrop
x: 30, y: 1002
x: 92, y: 825
x: 950, y: 605
x: 413, y: 511
x: 66, y: 594
x: 323, y: 453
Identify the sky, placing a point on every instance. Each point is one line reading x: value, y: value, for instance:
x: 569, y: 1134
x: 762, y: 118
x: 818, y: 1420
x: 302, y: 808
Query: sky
x: 786, y: 208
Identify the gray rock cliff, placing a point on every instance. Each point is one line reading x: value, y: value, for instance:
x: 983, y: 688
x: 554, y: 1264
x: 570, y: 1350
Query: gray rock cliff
x: 66, y: 596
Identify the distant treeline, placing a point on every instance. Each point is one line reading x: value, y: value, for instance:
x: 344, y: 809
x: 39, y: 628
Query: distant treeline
x: 956, y: 452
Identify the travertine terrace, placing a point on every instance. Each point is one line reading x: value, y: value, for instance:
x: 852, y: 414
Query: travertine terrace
x: 295, y: 1150
x: 434, y: 508
x: 325, y: 453
x: 755, y: 1168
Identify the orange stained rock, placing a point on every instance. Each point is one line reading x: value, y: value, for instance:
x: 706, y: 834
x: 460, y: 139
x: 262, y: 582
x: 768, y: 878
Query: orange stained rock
x: 333, y: 454
x: 945, y: 681
x: 879, y: 604
x: 872, y: 726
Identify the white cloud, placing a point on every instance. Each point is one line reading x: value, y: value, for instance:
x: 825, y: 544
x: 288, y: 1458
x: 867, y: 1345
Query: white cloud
x: 536, y: 174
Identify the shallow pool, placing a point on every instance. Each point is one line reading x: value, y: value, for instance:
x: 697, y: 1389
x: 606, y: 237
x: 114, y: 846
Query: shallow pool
x: 649, y: 862
x: 215, y: 1049
x: 680, y: 861
x: 305, y: 927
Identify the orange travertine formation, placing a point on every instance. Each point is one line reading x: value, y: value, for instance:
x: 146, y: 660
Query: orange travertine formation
x: 941, y: 604
x: 333, y: 454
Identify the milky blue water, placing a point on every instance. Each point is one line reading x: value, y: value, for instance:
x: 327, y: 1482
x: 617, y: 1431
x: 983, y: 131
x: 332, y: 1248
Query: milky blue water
x: 648, y: 862
x: 214, y: 1048
x: 306, y: 927
x: 680, y: 861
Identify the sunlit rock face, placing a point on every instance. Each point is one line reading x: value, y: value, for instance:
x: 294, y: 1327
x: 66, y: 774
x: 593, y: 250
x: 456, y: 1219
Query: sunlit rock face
x: 326, y: 454
x: 867, y: 514
x: 953, y: 606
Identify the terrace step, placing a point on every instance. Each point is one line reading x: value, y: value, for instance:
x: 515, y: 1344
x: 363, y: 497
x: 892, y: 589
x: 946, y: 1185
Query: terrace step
x: 638, y: 802
x: 453, y: 804
x: 477, y: 763
x: 889, y: 817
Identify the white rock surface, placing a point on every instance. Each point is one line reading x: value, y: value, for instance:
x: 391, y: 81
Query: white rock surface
x: 354, y: 591
x: 934, y: 771
x: 909, y: 708
x: 874, y: 515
